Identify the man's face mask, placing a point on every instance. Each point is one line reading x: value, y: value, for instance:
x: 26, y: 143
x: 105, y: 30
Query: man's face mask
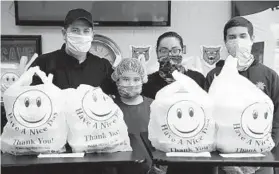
x: 168, y: 64
x: 78, y: 43
x: 129, y: 92
x: 241, y: 49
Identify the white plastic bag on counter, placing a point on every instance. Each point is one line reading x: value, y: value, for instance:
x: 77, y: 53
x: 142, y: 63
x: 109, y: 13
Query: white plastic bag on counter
x: 181, y: 118
x: 243, y: 113
x: 95, y: 122
x: 35, y: 122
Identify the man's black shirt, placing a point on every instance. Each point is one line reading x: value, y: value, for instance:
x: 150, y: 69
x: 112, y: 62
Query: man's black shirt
x: 69, y: 73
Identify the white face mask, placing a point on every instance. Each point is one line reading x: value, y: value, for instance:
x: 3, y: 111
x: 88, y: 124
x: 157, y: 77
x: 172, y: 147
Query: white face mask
x: 241, y: 49
x: 78, y: 43
x: 244, y: 62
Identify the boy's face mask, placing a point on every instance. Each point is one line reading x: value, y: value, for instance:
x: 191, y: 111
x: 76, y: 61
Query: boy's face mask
x: 168, y: 64
x: 241, y: 49
x: 129, y: 92
x: 78, y: 43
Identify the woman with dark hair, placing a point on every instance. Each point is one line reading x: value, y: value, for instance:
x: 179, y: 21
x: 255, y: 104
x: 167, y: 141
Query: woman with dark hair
x: 169, y: 55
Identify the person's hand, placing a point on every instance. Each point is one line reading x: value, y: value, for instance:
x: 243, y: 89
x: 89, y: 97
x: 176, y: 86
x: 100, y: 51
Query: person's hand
x: 239, y: 49
x: 231, y: 47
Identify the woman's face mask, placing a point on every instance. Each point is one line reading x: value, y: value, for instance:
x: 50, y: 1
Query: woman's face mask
x: 168, y: 64
x: 78, y: 43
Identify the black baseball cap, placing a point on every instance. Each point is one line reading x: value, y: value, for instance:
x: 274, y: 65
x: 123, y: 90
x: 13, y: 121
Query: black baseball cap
x: 77, y: 14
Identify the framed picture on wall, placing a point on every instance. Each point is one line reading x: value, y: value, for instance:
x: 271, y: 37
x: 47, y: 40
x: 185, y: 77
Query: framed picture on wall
x: 15, y: 46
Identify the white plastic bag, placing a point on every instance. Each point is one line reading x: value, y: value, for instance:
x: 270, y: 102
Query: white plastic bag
x: 10, y: 72
x: 181, y: 118
x: 35, y: 122
x: 95, y: 122
x: 243, y: 113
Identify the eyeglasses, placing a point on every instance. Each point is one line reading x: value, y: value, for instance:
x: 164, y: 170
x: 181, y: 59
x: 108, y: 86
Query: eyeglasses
x: 173, y: 51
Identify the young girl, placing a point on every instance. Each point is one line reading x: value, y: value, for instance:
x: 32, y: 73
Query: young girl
x: 130, y: 75
x: 169, y: 54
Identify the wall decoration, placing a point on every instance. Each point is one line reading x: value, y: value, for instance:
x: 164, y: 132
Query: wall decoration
x: 105, y: 47
x: 13, y: 47
x: 141, y: 52
x: 211, y: 54
x: 192, y: 63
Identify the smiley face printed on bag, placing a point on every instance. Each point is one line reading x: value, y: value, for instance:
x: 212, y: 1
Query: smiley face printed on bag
x: 7, y: 80
x: 97, y: 105
x: 32, y: 108
x: 256, y: 120
x: 186, y: 119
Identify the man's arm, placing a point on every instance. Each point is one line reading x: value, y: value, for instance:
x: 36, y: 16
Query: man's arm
x: 108, y: 85
x: 275, y: 99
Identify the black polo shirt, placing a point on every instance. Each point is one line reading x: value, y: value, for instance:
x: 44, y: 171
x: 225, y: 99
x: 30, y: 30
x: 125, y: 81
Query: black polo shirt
x: 69, y: 73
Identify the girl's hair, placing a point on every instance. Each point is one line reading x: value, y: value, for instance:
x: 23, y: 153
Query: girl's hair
x: 129, y: 64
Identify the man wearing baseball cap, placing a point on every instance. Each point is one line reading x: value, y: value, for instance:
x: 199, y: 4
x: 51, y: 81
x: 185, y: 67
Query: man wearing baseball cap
x: 73, y: 65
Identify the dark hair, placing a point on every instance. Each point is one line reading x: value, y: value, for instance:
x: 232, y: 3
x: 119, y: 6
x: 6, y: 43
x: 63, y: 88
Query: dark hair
x: 238, y: 21
x: 169, y: 34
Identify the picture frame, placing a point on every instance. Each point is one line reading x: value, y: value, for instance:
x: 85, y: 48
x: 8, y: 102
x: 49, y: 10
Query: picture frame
x: 13, y: 47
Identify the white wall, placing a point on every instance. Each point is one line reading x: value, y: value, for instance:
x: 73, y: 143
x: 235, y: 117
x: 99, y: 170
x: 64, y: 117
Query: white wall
x: 198, y: 22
